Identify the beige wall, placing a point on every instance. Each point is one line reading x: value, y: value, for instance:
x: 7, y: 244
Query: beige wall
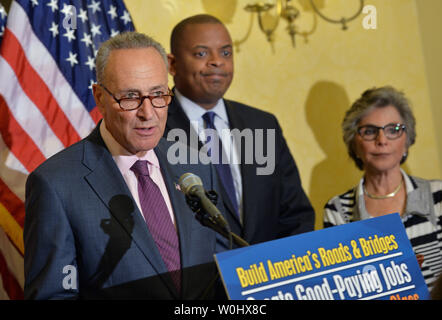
x: 431, y: 36
x: 310, y: 87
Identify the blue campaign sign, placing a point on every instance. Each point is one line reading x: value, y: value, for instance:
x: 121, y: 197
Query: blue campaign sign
x: 364, y: 260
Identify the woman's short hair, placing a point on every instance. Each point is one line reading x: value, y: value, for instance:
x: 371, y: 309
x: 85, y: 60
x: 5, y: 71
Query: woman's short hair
x: 377, y: 98
x: 125, y: 40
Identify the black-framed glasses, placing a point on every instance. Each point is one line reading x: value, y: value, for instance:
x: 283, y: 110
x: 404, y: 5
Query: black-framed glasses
x: 392, y: 131
x: 133, y: 102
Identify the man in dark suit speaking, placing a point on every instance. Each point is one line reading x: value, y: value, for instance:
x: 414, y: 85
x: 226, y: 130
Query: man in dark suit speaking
x: 265, y: 199
x: 104, y: 217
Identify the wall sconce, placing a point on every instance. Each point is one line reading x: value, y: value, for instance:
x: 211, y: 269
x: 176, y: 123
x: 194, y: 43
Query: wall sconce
x: 286, y: 10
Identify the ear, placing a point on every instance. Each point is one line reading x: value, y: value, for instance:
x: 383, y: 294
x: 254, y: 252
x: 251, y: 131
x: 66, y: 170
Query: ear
x: 99, y: 97
x: 171, y: 60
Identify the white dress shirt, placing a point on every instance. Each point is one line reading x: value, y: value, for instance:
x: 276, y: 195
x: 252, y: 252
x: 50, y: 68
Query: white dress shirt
x: 125, y: 160
x: 195, y: 114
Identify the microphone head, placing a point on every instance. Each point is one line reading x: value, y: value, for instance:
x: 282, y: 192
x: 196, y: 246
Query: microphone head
x: 189, y: 180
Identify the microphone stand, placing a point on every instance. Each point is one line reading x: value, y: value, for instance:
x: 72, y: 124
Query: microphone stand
x: 207, y: 221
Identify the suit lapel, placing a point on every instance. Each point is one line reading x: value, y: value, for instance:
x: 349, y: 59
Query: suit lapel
x: 177, y: 119
x: 108, y: 183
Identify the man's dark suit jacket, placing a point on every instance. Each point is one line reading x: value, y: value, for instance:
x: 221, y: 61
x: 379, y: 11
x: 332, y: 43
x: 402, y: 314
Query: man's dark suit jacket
x: 83, y: 224
x: 274, y: 205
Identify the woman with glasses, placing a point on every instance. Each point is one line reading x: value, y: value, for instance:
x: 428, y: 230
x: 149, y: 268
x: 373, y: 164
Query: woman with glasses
x: 378, y: 131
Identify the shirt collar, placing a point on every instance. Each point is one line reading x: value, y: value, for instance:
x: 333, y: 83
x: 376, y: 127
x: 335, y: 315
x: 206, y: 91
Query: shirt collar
x: 195, y: 112
x: 123, y: 158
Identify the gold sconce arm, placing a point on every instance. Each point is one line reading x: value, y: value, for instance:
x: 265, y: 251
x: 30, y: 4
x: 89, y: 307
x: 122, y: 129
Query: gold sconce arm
x: 286, y: 10
x: 237, y: 43
x: 290, y: 13
x: 261, y: 8
x: 343, y: 20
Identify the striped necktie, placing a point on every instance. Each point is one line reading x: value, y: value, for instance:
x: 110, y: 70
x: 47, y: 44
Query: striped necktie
x: 158, y: 220
x: 223, y: 169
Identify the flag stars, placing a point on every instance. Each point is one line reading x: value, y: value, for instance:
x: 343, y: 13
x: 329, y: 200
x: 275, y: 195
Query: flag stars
x: 2, y: 12
x: 92, y: 82
x: 112, y: 12
x: 90, y: 63
x: 54, y: 29
x: 82, y: 15
x: 125, y: 17
x: 94, y: 50
x: 2, y: 17
x: 34, y: 3
x: 114, y: 33
x: 53, y: 4
x: 87, y: 39
x: 69, y: 34
x: 95, y: 29
x: 72, y: 59
x: 67, y: 10
x: 95, y: 6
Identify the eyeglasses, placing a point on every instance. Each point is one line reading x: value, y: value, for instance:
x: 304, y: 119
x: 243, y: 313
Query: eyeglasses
x: 391, y: 131
x: 134, y: 101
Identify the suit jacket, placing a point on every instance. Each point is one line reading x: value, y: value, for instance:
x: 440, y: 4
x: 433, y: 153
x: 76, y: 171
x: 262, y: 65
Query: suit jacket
x: 85, y: 236
x: 274, y: 205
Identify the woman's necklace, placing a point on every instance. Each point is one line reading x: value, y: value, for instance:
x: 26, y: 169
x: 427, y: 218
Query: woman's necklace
x: 390, y: 195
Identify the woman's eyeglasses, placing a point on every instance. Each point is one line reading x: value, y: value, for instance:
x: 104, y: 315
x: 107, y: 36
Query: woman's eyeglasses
x: 391, y: 131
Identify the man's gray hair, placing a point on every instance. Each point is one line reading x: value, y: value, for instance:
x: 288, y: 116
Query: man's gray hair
x: 377, y: 98
x: 126, y: 40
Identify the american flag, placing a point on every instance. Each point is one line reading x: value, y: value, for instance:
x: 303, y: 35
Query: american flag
x: 3, y: 15
x: 47, y: 68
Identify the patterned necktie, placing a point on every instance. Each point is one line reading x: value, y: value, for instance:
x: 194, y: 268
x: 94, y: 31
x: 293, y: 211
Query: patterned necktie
x: 158, y: 220
x: 223, y: 168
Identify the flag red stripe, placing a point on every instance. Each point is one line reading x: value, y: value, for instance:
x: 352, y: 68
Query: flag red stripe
x: 17, y: 140
x: 13, y: 245
x: 10, y: 283
x: 12, y: 203
x: 95, y: 114
x: 37, y: 90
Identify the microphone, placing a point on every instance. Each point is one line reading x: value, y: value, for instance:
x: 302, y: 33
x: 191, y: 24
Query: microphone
x: 191, y: 185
